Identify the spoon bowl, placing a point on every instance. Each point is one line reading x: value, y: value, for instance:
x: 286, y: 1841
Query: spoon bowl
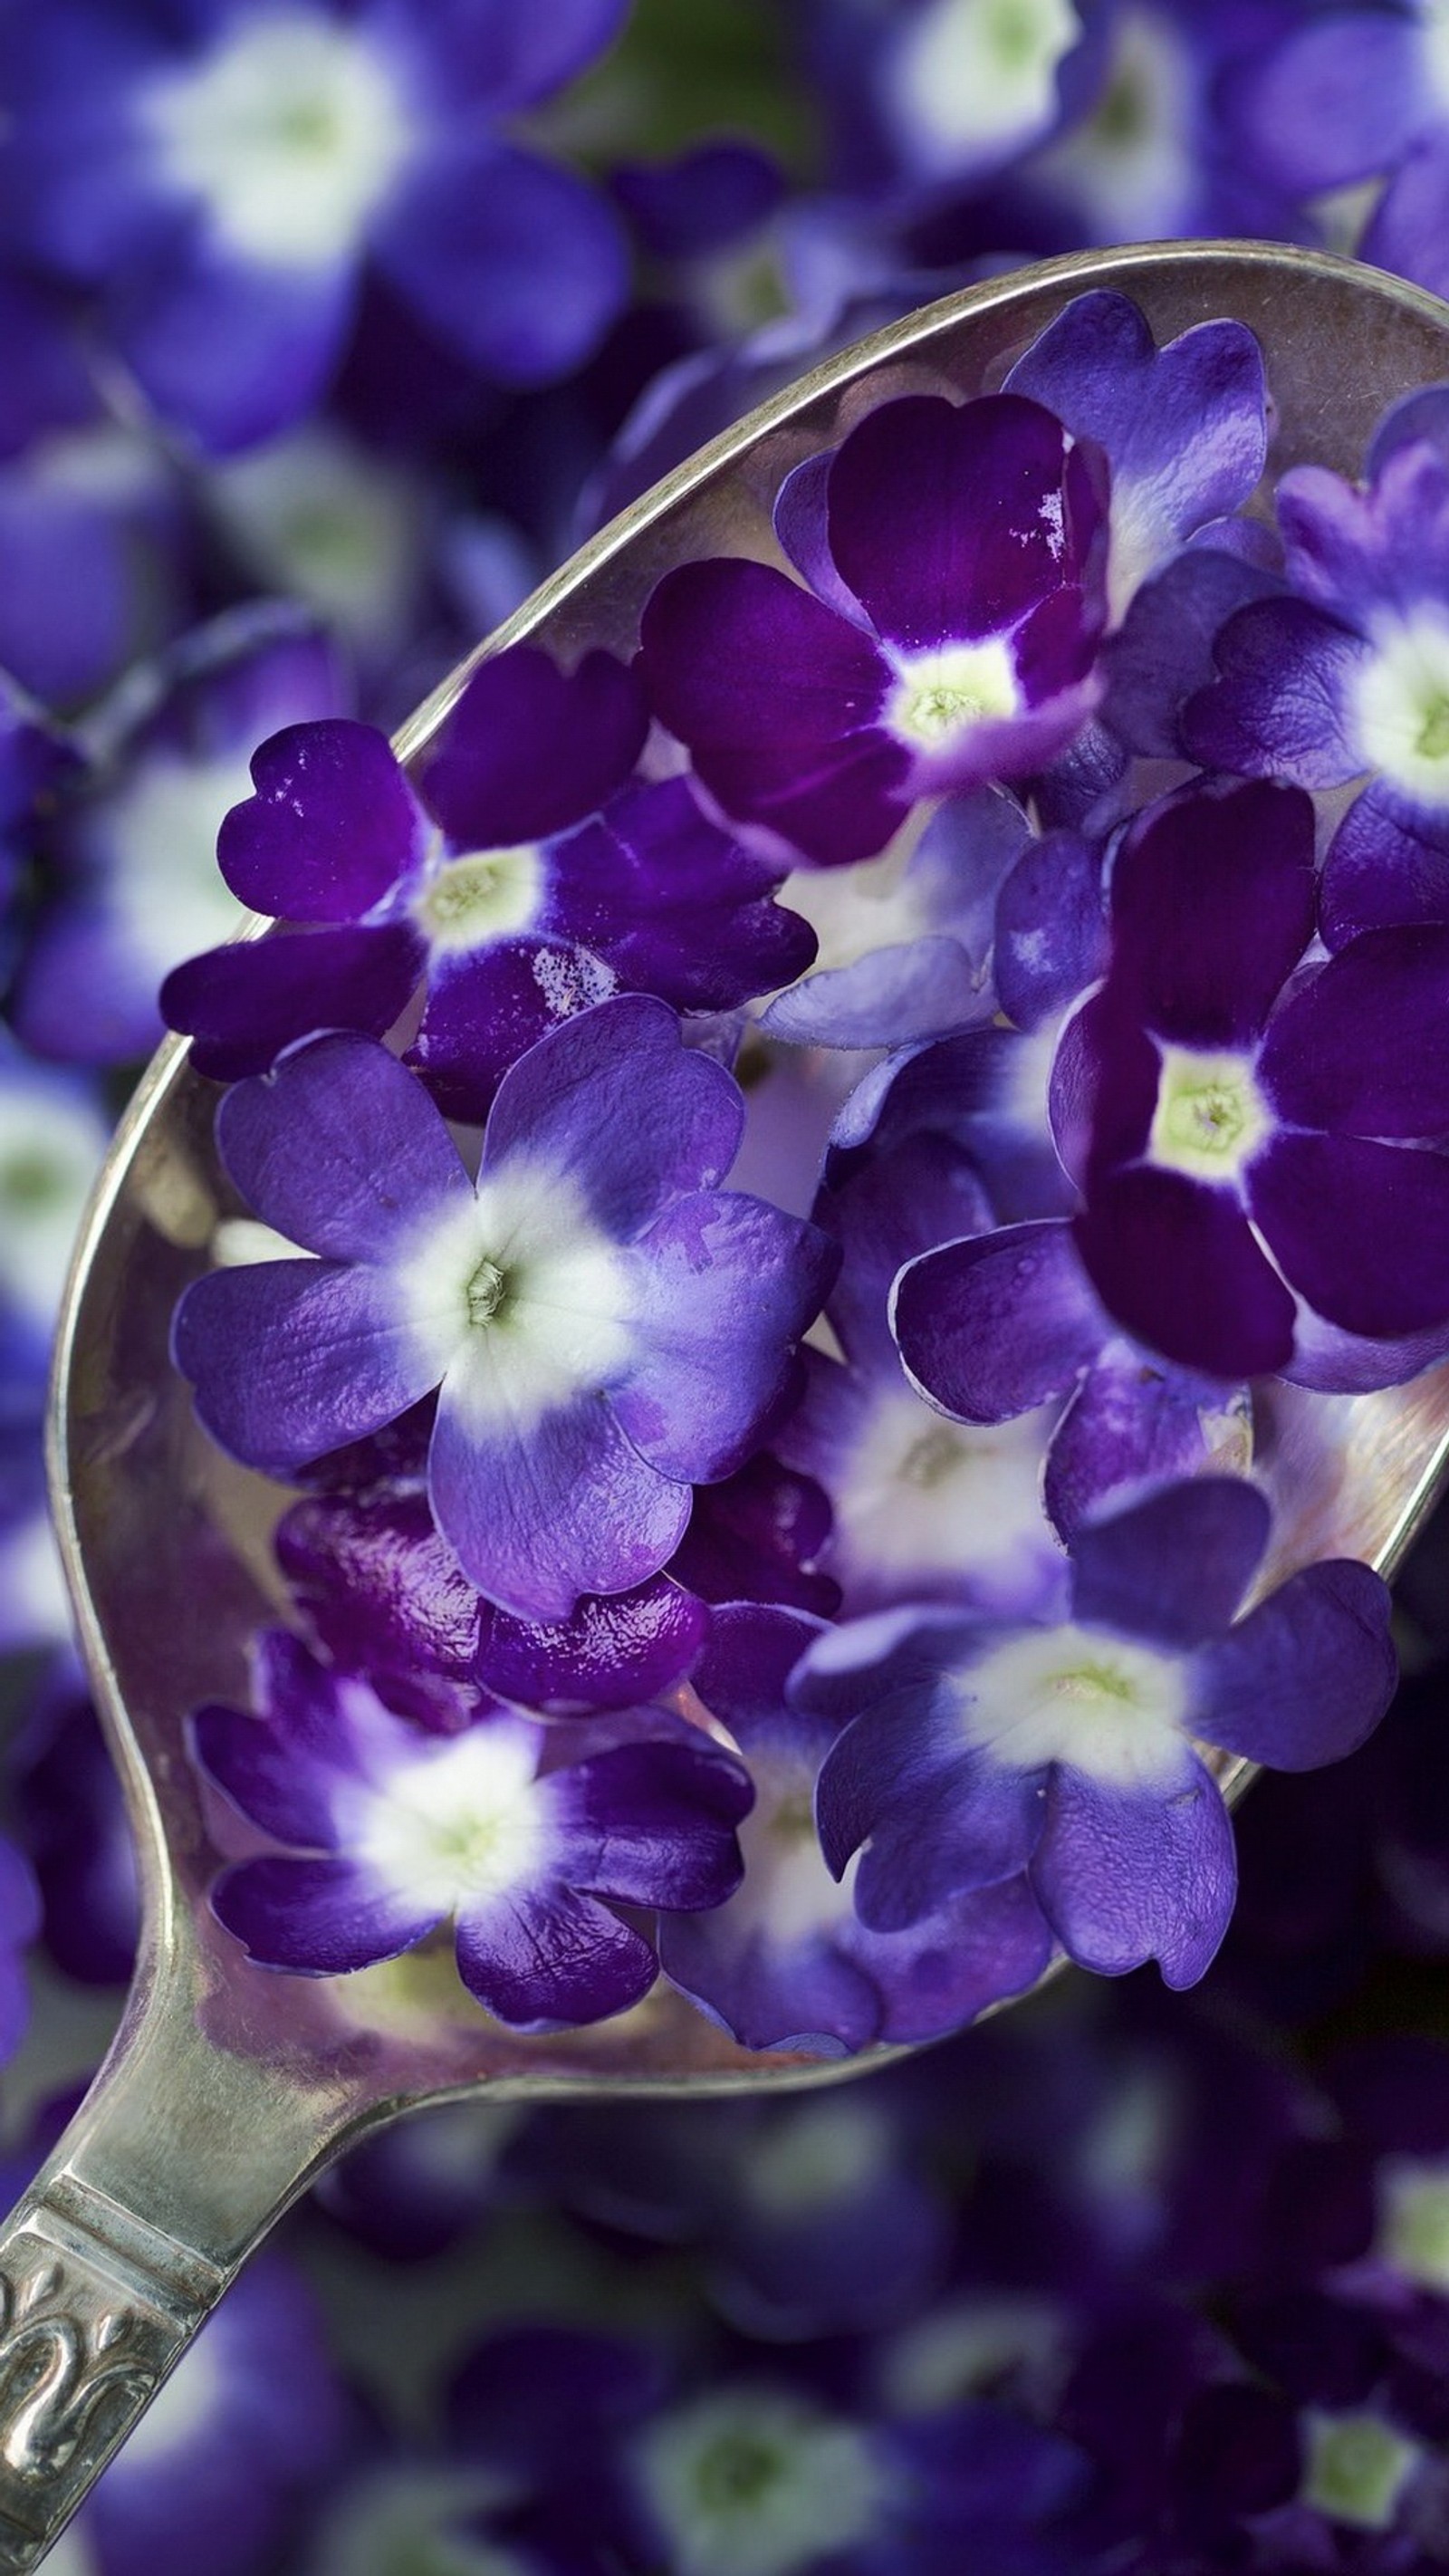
x: 229, y: 2085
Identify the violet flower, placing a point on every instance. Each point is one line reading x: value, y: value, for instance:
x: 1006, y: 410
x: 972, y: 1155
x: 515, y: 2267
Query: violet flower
x: 788, y: 1961
x: 1183, y: 428
x: 219, y: 181
x: 1067, y: 1747
x: 513, y: 1831
x: 1345, y: 678
x: 954, y: 556
x: 499, y: 879
x: 563, y: 1452
x: 1250, y: 1142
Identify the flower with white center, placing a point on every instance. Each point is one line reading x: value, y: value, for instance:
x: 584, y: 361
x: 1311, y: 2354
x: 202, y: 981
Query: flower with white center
x: 393, y: 1833
x: 939, y: 697
x: 1399, y: 707
x: 969, y: 82
x: 1129, y: 165
x: 1070, y: 1748
x: 755, y: 2482
x: 319, y: 517
x: 603, y: 1323
x: 1357, y: 2469
x: 1211, y: 1118
x: 290, y: 133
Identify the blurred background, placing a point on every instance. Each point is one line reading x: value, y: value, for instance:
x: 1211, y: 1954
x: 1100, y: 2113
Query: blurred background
x: 328, y: 328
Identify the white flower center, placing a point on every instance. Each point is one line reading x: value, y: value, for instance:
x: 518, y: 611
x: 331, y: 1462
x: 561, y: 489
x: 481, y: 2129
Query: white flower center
x: 941, y: 695
x: 316, y: 516
x: 787, y: 1889
x: 1414, y: 2221
x: 485, y: 896
x: 1399, y: 707
x: 290, y: 131
x: 520, y: 1299
x: 155, y: 842
x: 1357, y: 2469
x: 459, y: 1825
x: 50, y: 1151
x: 921, y: 1496
x: 965, y: 2349
x: 416, y: 2522
x: 1132, y: 164
x: 1069, y: 1694
x: 1211, y: 1118
x: 979, y: 75
x: 749, y: 2483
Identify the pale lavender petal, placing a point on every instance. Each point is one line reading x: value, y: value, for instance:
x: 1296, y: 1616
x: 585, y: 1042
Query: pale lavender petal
x: 540, y: 1517
x: 332, y: 828
x: 1361, y: 1229
x: 1162, y: 654
x: 989, y: 1328
x: 318, y: 1918
x: 1306, y: 1676
x: 801, y: 518
x: 341, y: 1150
x: 1179, y: 1266
x: 1124, y: 1876
x: 922, y: 989
x: 923, y: 1193
x: 727, y: 1284
x: 1279, y: 705
x: 615, y: 1102
x: 1051, y: 928
x: 547, y: 1958
x: 1174, y: 1568
x: 292, y: 1358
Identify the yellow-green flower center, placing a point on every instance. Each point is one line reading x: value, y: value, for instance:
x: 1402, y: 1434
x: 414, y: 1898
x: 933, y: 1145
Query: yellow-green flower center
x: 1210, y: 1117
x: 1357, y: 2469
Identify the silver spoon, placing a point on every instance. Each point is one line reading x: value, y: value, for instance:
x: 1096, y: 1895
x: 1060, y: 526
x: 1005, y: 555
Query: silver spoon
x: 229, y: 2087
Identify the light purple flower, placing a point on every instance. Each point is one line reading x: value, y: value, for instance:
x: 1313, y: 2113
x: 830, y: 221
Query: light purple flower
x: 1183, y: 428
x: 954, y: 554
x: 1249, y: 1140
x: 1067, y: 1746
x: 1344, y: 678
x: 787, y: 1961
x: 524, y: 877
x: 132, y: 876
x: 606, y: 1325
x: 516, y: 1832
x: 219, y: 181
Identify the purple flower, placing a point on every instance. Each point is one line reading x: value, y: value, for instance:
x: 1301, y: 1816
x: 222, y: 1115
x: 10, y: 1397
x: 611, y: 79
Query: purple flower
x: 788, y: 1962
x: 1345, y: 677
x: 516, y: 1832
x: 954, y: 554
x: 524, y: 878
x: 1068, y: 1747
x: 1250, y: 1141
x: 1183, y: 428
x: 605, y: 1324
x: 219, y: 182
x: 134, y: 882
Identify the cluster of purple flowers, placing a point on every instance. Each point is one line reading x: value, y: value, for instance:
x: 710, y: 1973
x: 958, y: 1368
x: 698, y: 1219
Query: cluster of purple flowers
x: 939, y: 1500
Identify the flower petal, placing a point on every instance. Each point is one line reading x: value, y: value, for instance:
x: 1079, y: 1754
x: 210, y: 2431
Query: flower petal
x: 547, y: 1958
x: 1178, y: 1265
x: 1359, y: 1047
x: 1125, y: 1876
x: 1176, y: 1567
x: 319, y: 1918
x: 292, y: 1358
x: 530, y: 750
x: 993, y: 1326
x: 341, y: 1150
x: 1361, y: 1229
x: 1213, y: 903
x: 332, y: 828
x: 1306, y: 1676
x: 244, y: 1003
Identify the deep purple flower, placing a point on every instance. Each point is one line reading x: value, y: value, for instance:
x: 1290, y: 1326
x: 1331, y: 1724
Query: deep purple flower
x: 563, y: 1454
x: 1183, y: 428
x: 1250, y: 1141
x: 1067, y: 1747
x: 219, y: 182
x: 788, y: 1962
x: 1345, y: 677
x: 133, y: 883
x: 513, y: 1831
x: 954, y: 556
x: 524, y: 877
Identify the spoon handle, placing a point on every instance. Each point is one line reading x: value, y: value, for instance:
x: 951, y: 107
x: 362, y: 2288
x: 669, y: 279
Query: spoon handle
x: 180, y: 2157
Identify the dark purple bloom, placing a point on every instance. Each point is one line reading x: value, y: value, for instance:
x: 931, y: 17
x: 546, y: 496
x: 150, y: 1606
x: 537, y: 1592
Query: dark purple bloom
x: 954, y: 556
x: 523, y: 876
x: 1254, y: 1145
x: 1183, y: 428
x: 1067, y: 1747
x: 563, y: 1453
x: 514, y: 1832
x: 218, y: 183
x: 1344, y: 677
x: 133, y: 882
x: 788, y: 1962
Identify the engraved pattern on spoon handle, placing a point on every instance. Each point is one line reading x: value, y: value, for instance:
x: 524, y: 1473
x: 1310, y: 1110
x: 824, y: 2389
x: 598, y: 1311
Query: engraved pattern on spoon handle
x: 95, y: 2306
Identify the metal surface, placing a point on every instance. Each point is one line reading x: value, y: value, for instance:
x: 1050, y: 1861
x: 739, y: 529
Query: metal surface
x: 229, y: 2086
